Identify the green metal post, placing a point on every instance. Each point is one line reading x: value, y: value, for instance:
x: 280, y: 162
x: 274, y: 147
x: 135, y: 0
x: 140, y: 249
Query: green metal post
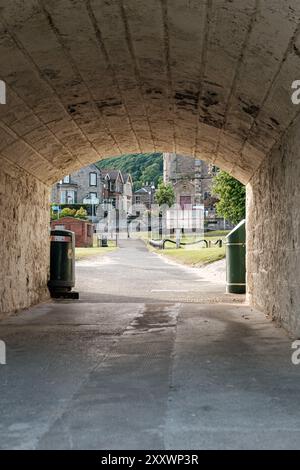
x: 236, y: 259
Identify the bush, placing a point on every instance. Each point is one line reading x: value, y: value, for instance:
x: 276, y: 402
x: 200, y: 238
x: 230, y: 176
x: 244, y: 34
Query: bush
x: 67, y: 212
x: 81, y: 213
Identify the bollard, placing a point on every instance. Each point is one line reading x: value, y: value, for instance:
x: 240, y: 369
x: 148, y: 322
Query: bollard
x: 236, y: 260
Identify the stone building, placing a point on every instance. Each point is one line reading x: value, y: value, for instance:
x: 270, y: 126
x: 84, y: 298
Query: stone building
x: 117, y: 189
x: 145, y: 196
x: 191, y: 179
x: 87, y: 183
x: 94, y: 187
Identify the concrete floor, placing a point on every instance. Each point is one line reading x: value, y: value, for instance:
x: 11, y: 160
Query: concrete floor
x: 147, y: 359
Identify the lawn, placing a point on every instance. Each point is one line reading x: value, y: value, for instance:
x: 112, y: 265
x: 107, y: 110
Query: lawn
x: 212, y: 235
x: 83, y: 253
x: 195, y: 255
x: 216, y: 233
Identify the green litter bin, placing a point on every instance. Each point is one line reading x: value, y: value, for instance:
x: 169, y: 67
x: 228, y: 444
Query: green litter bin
x: 62, y: 264
x: 236, y: 259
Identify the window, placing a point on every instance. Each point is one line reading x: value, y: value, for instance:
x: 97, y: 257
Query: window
x: 137, y: 199
x: 93, y: 196
x: 68, y: 197
x: 93, y: 179
x: 66, y: 179
x: 71, y: 197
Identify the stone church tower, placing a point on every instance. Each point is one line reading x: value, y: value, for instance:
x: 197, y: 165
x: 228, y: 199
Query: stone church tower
x: 191, y: 178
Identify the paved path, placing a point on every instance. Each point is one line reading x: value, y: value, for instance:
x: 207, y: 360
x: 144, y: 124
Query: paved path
x: 133, y: 274
x: 146, y: 359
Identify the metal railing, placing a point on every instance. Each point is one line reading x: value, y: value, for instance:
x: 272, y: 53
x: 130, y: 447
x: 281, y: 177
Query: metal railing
x: 161, y: 243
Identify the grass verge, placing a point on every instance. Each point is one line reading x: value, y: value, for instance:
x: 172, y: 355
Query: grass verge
x: 83, y: 253
x: 193, y: 257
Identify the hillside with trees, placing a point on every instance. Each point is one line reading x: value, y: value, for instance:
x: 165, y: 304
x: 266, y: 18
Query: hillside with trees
x: 143, y: 167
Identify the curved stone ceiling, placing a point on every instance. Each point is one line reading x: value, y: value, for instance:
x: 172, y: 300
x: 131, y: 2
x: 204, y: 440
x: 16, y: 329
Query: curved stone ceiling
x: 96, y: 78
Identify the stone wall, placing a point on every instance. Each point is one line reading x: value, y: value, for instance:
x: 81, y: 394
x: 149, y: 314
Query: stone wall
x: 273, y: 231
x: 24, y: 247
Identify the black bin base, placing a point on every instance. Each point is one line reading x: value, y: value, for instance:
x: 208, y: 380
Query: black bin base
x: 64, y: 294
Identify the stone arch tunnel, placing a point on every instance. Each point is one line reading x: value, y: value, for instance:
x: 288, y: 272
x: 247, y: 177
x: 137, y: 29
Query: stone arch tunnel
x: 87, y: 79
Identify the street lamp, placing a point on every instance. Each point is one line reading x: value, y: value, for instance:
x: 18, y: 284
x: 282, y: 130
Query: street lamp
x: 152, y: 188
x: 150, y: 192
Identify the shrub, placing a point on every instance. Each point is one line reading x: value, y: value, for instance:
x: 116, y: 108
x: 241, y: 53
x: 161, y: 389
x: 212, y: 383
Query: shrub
x: 67, y: 212
x: 81, y: 213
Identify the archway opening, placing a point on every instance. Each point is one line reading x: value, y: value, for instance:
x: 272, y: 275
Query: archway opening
x: 92, y: 79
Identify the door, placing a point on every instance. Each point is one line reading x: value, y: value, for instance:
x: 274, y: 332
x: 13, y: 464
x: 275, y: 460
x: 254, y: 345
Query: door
x: 185, y: 201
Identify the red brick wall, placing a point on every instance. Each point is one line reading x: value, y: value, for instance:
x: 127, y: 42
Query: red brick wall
x: 83, y: 230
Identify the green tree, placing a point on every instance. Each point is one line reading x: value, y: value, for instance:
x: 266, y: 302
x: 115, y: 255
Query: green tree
x: 232, y: 197
x: 165, y: 194
x: 81, y: 213
x: 151, y: 174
